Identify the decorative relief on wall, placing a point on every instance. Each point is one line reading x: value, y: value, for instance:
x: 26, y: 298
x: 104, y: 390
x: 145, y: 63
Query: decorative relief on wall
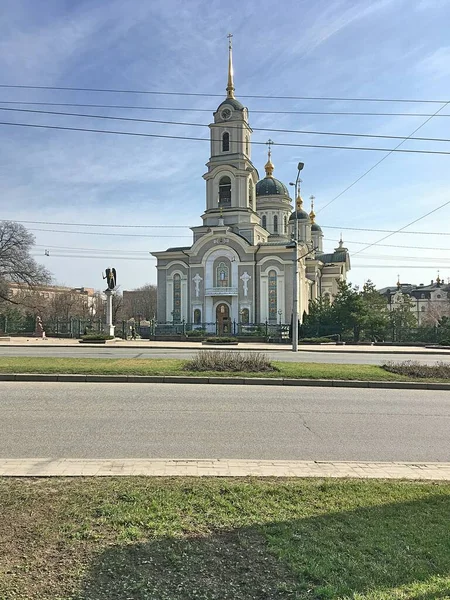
x: 197, y: 279
x: 273, y: 296
x: 245, y: 279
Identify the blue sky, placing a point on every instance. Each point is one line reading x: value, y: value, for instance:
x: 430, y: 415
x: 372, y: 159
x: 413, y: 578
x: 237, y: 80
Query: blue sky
x: 381, y: 49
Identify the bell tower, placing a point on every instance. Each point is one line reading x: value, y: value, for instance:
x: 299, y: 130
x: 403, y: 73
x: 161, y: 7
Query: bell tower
x: 231, y: 177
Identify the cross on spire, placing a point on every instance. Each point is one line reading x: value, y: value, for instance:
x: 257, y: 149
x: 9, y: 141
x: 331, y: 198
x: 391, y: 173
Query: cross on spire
x: 270, y: 143
x: 230, y: 85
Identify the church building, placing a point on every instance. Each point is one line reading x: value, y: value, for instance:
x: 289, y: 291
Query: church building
x: 240, y: 265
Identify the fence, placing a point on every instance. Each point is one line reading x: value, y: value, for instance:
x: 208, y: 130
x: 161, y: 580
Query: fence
x: 265, y: 330
x: 75, y: 328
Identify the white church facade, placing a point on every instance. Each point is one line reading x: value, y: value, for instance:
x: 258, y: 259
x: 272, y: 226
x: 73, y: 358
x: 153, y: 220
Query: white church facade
x: 239, y: 268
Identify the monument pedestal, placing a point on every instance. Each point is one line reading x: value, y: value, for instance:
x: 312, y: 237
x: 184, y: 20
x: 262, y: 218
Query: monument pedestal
x: 109, y: 328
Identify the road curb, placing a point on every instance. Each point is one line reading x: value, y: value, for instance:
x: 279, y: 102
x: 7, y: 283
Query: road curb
x: 265, y: 348
x: 79, y: 378
x: 72, y: 467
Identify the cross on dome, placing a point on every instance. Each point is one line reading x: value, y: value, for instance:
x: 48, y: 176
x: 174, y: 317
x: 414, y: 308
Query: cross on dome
x: 269, y: 165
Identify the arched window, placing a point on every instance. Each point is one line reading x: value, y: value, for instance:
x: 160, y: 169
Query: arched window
x: 250, y: 193
x: 226, y: 142
x: 247, y: 146
x: 273, y: 296
x: 225, y: 191
x: 264, y: 221
x: 197, y: 316
x: 245, y: 316
x: 285, y: 224
x: 176, y: 314
x: 275, y: 224
x: 222, y: 275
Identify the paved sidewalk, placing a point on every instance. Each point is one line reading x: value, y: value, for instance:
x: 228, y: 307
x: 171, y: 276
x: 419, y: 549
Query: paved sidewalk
x: 189, y: 345
x: 71, y: 467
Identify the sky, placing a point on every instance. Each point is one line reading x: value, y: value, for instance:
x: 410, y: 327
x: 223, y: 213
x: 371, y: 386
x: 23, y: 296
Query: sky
x: 94, y: 200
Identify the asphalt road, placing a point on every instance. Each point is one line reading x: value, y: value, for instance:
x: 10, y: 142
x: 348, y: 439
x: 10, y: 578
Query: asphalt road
x: 63, y: 420
x: 344, y: 357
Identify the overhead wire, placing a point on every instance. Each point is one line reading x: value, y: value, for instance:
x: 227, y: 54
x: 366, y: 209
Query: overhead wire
x: 396, y: 149
x: 140, y: 235
x: 211, y: 110
x: 404, y: 227
x: 190, y: 138
x: 114, y: 225
x: 391, y: 245
x: 205, y: 94
x: 229, y: 126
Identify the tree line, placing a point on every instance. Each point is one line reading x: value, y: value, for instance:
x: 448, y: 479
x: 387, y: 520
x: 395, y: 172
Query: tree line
x: 364, y: 315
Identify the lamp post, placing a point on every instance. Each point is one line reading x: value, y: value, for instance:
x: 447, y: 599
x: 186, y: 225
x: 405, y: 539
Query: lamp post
x: 295, y: 265
x: 280, y: 312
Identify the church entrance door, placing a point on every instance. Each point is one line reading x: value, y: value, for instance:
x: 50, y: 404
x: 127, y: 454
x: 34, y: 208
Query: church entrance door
x: 223, y: 320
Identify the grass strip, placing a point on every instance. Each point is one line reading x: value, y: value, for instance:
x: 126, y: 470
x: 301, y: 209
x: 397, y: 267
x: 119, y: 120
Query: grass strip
x: 211, y: 539
x: 138, y: 366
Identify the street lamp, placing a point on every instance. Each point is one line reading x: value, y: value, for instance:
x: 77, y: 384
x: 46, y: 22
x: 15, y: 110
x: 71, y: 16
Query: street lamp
x: 280, y: 312
x: 295, y: 259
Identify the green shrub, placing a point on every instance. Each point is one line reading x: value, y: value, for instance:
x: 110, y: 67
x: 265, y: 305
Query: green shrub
x: 227, y: 360
x: 96, y: 337
x: 196, y: 333
x: 317, y: 340
x: 412, y: 368
x: 221, y: 340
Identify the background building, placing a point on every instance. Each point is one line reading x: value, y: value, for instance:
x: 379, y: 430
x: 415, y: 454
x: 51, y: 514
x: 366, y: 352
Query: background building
x: 429, y: 303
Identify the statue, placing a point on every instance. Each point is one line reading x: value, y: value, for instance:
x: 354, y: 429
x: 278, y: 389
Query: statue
x: 39, y: 328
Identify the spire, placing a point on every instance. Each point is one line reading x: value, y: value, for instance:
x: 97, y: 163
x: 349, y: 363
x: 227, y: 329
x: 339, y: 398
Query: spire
x: 269, y: 164
x: 399, y: 285
x: 230, y: 85
x: 312, y: 214
x: 438, y: 280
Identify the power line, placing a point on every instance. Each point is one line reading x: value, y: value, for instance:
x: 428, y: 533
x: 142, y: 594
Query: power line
x: 385, y: 230
x: 102, y: 225
x: 383, y: 257
x: 184, y: 123
x: 211, y: 110
x: 392, y: 245
x: 204, y: 94
x: 438, y: 266
x: 103, y: 250
x: 396, y: 149
x: 108, y: 257
x: 179, y: 137
x: 339, y: 227
x: 141, y: 235
x: 404, y: 227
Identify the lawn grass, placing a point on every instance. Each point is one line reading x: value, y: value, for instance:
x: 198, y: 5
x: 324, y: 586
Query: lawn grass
x: 223, y: 539
x: 138, y: 366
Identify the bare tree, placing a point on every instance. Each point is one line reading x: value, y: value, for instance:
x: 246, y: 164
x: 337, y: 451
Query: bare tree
x: 16, y: 264
x: 140, y: 302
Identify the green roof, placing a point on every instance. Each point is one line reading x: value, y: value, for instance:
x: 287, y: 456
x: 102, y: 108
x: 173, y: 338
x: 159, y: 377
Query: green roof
x: 232, y: 102
x: 269, y: 186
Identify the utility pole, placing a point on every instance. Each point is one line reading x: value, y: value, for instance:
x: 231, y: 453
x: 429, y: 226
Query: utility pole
x: 295, y: 265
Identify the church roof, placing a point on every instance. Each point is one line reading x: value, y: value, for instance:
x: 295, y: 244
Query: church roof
x: 233, y: 103
x: 269, y: 186
x: 178, y: 249
x: 301, y: 214
x: 333, y: 257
